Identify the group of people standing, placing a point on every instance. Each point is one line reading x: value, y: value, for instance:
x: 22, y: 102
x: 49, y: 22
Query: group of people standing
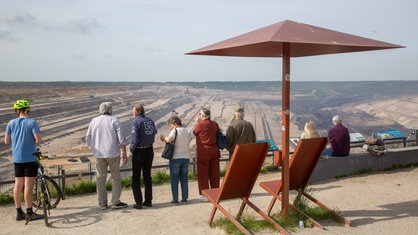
x: 207, y: 151
x: 106, y: 138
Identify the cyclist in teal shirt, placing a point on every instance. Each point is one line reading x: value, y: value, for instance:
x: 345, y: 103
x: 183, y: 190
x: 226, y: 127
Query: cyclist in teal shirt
x: 23, y: 134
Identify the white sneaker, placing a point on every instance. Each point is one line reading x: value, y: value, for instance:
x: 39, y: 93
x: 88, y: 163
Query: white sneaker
x: 203, y: 198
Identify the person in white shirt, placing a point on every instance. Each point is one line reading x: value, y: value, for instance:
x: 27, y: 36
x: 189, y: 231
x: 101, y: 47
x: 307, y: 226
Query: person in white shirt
x: 106, y: 138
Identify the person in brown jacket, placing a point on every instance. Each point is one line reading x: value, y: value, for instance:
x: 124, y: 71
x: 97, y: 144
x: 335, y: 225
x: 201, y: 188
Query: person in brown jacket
x: 239, y: 132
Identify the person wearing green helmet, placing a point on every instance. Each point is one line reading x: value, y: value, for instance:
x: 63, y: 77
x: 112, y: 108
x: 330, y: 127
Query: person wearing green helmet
x: 23, y: 134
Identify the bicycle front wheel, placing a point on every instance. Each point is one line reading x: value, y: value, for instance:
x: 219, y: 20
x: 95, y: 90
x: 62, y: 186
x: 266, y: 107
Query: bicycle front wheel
x: 44, y: 202
x: 52, y: 190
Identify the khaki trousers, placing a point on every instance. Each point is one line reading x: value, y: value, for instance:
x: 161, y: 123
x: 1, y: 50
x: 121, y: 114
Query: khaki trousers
x: 102, y: 165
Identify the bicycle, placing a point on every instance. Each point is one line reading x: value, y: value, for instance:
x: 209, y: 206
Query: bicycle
x: 46, y: 192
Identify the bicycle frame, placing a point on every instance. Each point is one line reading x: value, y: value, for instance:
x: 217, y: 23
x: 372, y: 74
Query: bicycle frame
x: 42, y: 190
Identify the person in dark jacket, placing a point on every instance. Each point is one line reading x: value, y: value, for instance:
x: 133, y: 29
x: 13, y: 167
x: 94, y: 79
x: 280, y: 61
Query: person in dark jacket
x: 143, y: 134
x: 339, y: 138
x: 239, y: 132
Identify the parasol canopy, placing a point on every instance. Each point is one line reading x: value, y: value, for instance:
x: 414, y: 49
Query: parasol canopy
x: 304, y: 40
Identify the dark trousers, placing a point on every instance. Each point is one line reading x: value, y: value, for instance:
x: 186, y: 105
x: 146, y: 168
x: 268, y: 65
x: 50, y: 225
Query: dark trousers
x: 142, y: 161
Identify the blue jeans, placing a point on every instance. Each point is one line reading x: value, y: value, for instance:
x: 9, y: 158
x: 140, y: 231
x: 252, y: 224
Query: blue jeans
x: 327, y: 152
x: 179, y: 169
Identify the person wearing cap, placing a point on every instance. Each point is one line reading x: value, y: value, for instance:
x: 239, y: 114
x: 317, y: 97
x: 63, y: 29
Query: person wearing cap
x: 207, y: 152
x: 23, y: 133
x: 339, y: 138
x: 142, y: 138
x: 105, y: 137
x: 239, y: 132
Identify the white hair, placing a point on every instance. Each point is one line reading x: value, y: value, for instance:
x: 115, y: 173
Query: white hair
x: 106, y: 108
x: 336, y: 119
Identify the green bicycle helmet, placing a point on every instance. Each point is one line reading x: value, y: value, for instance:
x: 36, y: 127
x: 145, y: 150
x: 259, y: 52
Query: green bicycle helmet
x: 21, y: 104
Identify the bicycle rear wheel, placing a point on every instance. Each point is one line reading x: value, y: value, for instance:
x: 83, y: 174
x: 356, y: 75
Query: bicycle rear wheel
x: 44, y: 203
x: 52, y: 190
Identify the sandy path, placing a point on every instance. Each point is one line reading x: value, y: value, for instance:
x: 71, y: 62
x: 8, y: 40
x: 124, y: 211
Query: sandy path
x: 383, y: 203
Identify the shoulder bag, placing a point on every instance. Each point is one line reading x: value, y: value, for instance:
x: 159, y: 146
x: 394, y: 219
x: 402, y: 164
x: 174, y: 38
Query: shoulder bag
x: 221, y: 140
x: 168, y: 151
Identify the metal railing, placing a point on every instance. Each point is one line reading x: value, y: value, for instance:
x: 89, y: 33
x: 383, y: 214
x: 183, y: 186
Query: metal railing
x: 62, y: 177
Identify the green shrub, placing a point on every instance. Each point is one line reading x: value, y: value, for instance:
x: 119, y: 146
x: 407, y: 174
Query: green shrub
x: 160, y: 177
x: 6, y: 199
x: 81, y: 188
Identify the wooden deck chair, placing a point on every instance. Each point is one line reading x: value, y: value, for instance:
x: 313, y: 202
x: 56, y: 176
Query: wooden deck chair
x: 301, y: 167
x: 239, y: 180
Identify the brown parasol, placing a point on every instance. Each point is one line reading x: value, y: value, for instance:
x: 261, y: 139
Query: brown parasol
x: 290, y: 39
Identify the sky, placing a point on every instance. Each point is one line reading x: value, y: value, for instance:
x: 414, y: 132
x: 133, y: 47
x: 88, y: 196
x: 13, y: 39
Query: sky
x: 138, y: 40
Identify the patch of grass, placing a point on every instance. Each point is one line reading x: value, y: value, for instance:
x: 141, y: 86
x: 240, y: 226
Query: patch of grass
x: 127, y: 182
x: 399, y: 166
x: 249, y: 223
x: 222, y: 172
x: 290, y: 222
x: 368, y: 171
x: 365, y: 171
x: 192, y: 176
x: 160, y: 177
x: 6, y: 199
x: 268, y: 169
x: 83, y: 187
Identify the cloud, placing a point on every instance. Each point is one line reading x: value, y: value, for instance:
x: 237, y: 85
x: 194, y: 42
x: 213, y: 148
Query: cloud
x: 6, y: 35
x: 11, y: 22
x: 18, y: 19
x: 83, y: 26
x: 15, y: 20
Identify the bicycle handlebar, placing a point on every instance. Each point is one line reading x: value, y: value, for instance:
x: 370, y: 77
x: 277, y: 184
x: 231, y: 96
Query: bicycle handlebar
x: 39, y: 154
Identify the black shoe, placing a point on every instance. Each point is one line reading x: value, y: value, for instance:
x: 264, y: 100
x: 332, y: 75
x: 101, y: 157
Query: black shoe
x: 119, y: 205
x: 147, y: 204
x: 137, y: 206
x: 33, y: 216
x: 20, y: 216
x: 175, y: 203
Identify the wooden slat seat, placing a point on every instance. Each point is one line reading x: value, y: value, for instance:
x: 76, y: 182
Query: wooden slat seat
x: 239, y: 180
x: 301, y: 166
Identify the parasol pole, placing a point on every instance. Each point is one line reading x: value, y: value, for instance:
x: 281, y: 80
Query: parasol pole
x: 285, y: 127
